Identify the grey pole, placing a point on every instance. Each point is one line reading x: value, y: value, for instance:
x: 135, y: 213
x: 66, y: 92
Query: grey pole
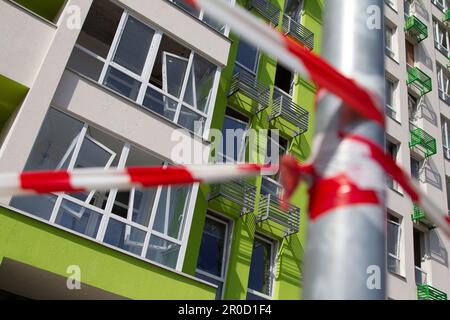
x: 346, y: 251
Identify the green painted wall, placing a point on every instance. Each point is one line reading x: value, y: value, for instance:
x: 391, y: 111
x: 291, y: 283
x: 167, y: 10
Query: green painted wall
x: 48, y: 9
x: 288, y: 282
x: 12, y: 94
x: 38, y: 244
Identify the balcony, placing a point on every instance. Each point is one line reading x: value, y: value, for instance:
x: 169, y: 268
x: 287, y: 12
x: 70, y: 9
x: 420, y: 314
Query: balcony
x: 427, y: 292
x: 270, y: 210
x: 247, y: 84
x: 419, y: 79
x: 447, y: 15
x: 298, y: 32
x: 283, y: 107
x: 239, y: 195
x: 423, y: 141
x: 266, y: 9
x: 418, y: 215
x: 416, y: 28
x: 49, y: 10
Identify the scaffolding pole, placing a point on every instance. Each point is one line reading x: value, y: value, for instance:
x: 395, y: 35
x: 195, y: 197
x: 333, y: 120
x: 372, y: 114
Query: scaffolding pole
x: 346, y: 251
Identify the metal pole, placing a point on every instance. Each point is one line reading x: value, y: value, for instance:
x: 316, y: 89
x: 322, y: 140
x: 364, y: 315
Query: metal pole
x: 346, y: 254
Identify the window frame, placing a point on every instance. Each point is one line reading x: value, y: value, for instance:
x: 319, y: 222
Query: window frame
x: 229, y: 227
x: 398, y: 255
x: 106, y: 213
x: 273, y: 265
x: 143, y: 79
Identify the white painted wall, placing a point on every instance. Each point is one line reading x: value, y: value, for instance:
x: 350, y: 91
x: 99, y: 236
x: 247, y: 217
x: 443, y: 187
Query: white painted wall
x: 437, y: 246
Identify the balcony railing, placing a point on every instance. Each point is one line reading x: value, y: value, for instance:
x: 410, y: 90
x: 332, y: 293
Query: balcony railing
x: 298, y: 32
x: 447, y: 15
x: 427, y: 292
x: 238, y: 192
x: 270, y: 209
x: 418, y: 215
x: 248, y: 85
x: 285, y: 108
x: 423, y: 141
x: 266, y: 9
x: 419, y: 79
x: 416, y: 28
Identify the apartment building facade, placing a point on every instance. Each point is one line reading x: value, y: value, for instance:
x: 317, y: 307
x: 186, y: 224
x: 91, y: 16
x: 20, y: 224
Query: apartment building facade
x: 417, y: 109
x: 106, y: 83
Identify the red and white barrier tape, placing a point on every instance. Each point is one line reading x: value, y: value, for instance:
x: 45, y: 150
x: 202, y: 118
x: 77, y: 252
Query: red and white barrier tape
x: 80, y: 180
x: 300, y: 60
x: 294, y: 56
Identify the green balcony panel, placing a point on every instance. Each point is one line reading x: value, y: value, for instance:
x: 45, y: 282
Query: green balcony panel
x: 447, y: 15
x: 11, y: 96
x: 416, y: 28
x: 48, y: 9
x: 420, y: 80
x: 427, y: 292
x: 418, y: 215
x: 423, y: 141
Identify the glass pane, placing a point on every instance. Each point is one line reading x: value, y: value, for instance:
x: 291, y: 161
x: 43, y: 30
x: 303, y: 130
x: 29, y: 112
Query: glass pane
x: 143, y: 198
x: 85, y: 64
x: 78, y: 218
x: 247, y: 56
x: 260, y: 268
x: 121, y: 83
x: 220, y: 27
x: 124, y: 236
x: 254, y: 297
x: 293, y: 8
x: 201, y: 79
x: 161, y: 104
x: 174, y: 70
x: 392, y: 238
x: 271, y: 187
x: 212, y: 248
x: 191, y: 120
x: 169, y: 70
x: 134, y: 45
x: 170, y: 214
x: 163, y: 252
x: 219, y: 284
x: 233, y: 133
x: 187, y: 7
x: 100, y: 27
x: 40, y: 206
x: 56, y: 139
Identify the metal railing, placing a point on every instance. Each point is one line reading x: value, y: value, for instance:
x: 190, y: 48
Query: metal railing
x: 424, y: 141
x: 247, y: 84
x: 297, y: 31
x: 285, y: 108
x: 270, y: 209
x: 238, y: 192
x: 419, y: 79
x: 416, y: 28
x: 266, y: 9
x: 427, y: 292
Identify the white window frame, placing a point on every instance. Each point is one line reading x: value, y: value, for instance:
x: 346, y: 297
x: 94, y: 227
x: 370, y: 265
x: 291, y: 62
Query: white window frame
x: 393, y: 107
x: 446, y: 137
x: 241, y: 153
x: 441, y: 37
x: 273, y: 267
x: 391, y: 51
x: 226, y: 250
x: 107, y: 214
x: 398, y: 255
x: 144, y: 78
